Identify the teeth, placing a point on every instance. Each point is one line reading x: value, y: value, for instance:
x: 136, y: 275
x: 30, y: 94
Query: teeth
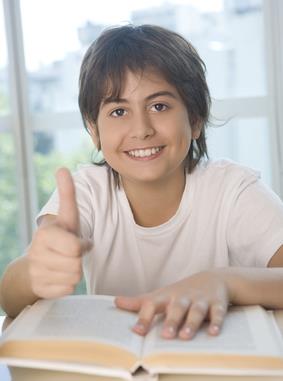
x: 144, y: 152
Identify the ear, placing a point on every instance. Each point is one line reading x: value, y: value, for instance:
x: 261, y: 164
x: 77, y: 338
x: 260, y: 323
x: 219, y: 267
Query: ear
x: 93, y: 131
x: 196, y: 131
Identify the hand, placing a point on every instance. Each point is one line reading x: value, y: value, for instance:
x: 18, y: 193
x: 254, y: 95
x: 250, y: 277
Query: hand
x: 186, y: 304
x: 55, y: 254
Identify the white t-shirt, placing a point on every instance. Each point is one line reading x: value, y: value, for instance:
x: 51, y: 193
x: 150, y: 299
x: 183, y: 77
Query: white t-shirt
x: 227, y: 217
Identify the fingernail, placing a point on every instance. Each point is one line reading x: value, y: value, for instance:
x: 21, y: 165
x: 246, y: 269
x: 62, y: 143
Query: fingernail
x: 139, y: 327
x: 186, y: 332
x: 214, y: 329
x: 169, y: 331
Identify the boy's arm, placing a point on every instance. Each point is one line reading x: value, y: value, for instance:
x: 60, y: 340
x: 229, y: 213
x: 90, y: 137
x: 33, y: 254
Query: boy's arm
x: 277, y: 259
x: 187, y: 303
x: 15, y: 286
x: 257, y: 285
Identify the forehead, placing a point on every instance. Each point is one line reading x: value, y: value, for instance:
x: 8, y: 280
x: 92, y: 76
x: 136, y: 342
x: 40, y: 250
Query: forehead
x: 139, y: 82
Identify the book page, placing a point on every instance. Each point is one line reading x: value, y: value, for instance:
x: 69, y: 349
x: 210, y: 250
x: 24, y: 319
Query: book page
x: 77, y: 318
x: 246, y: 330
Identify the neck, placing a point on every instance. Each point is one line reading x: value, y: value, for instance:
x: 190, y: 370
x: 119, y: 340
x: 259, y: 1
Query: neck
x: 155, y: 203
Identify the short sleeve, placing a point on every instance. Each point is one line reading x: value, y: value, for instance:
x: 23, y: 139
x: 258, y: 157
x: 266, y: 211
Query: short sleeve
x: 83, y: 197
x: 255, y: 225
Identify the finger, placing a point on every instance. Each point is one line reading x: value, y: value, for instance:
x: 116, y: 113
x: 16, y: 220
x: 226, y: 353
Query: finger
x: 68, y: 216
x: 217, y: 315
x: 41, y: 275
x: 53, y: 291
x: 53, y: 261
x: 175, y: 313
x: 57, y: 239
x: 146, y: 315
x: 61, y: 278
x: 129, y: 303
x: 195, y: 317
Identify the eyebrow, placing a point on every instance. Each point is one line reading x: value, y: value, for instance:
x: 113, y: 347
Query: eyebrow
x: 148, y: 98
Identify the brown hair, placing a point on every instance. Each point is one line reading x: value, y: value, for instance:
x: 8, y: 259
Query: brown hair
x: 137, y: 48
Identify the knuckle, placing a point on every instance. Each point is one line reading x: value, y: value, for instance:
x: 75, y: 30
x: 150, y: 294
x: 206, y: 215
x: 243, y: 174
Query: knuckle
x: 175, y: 312
x: 148, y: 303
x: 75, y: 245
x: 180, y: 304
x: 42, y: 234
x: 43, y: 237
x: 33, y: 249
x: 184, y: 302
x: 200, y: 307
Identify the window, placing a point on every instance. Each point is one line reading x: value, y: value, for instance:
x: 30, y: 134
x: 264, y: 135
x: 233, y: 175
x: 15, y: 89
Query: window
x: 227, y: 34
x: 10, y: 241
x: 46, y: 44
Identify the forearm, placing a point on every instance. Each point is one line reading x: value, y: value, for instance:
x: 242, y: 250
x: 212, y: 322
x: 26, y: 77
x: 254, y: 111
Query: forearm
x: 15, y: 289
x: 246, y: 286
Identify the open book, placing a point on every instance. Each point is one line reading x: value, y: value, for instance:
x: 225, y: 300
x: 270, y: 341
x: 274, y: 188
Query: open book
x: 88, y: 334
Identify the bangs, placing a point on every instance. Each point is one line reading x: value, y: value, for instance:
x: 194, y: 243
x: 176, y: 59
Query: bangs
x: 122, y: 58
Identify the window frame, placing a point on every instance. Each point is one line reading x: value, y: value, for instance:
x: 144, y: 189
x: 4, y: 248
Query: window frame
x: 20, y: 121
x: 273, y: 32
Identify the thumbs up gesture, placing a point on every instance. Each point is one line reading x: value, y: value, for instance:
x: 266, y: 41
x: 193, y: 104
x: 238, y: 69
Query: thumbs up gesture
x: 55, y: 253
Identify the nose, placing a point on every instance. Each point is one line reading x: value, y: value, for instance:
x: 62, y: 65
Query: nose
x: 142, y: 127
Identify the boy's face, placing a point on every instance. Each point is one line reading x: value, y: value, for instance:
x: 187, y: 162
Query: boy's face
x: 145, y: 135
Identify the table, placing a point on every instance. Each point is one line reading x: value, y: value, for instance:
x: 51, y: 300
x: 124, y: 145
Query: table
x: 22, y: 374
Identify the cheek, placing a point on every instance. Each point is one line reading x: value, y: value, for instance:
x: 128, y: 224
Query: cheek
x: 105, y: 142
x: 104, y: 134
x: 109, y: 143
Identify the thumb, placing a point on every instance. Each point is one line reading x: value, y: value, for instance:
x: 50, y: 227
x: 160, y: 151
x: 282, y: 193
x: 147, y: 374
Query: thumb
x: 68, y: 216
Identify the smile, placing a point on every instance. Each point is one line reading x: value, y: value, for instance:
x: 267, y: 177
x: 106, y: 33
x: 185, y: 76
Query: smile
x: 148, y: 152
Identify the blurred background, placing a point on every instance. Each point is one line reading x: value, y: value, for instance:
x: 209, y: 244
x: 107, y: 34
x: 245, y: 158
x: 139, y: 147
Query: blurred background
x: 42, y: 43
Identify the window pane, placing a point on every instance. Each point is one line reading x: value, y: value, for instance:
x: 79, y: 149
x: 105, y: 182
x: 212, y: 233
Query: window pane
x: 4, y: 104
x: 63, y: 146
x: 227, y: 33
x: 245, y: 141
x: 10, y: 245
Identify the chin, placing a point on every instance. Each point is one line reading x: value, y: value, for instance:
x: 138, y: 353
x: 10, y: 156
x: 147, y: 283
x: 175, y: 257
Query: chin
x: 144, y: 178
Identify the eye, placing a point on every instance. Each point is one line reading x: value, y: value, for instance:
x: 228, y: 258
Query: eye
x: 118, y: 112
x: 157, y: 107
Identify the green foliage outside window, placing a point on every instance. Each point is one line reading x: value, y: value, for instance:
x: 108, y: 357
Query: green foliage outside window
x: 4, y: 106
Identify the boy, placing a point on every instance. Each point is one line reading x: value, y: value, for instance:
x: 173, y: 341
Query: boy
x: 157, y: 222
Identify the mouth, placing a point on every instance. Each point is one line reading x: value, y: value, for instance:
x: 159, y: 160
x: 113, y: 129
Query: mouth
x: 145, y: 153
